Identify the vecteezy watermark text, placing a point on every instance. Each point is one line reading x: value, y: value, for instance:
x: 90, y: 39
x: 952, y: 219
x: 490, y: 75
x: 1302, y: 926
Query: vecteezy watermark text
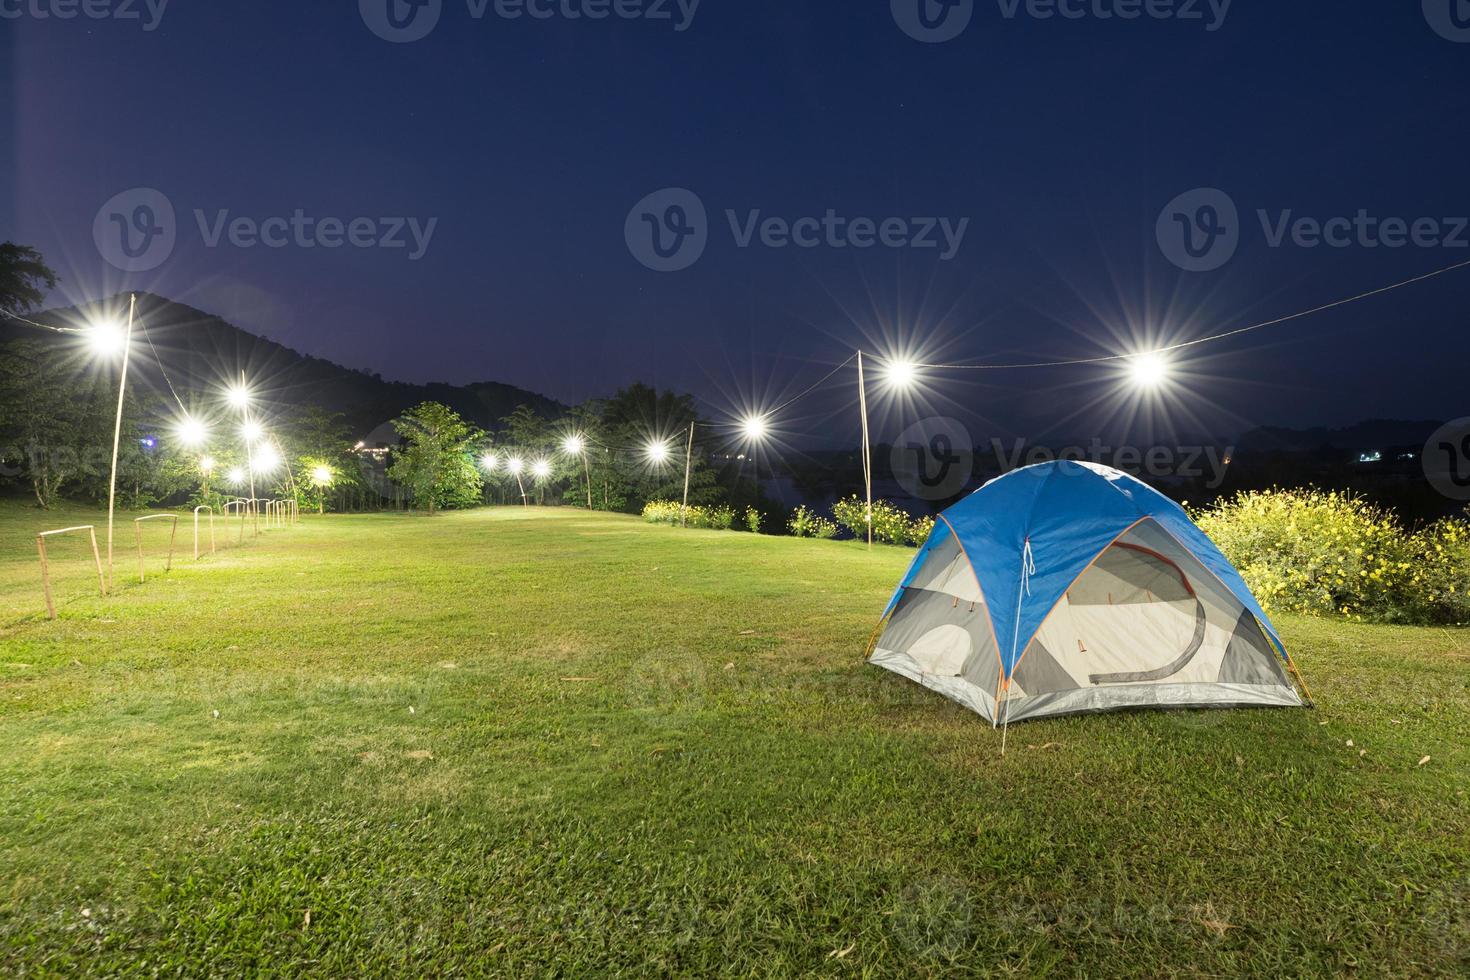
x: 405, y: 21
x: 669, y: 230
x: 149, y: 13
x: 136, y: 231
x: 1200, y: 230
x: 936, y: 21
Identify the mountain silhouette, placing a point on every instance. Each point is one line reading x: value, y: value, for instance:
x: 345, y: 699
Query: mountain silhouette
x: 202, y: 355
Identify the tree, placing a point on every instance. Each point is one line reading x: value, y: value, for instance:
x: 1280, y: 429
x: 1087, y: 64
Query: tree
x: 50, y: 423
x: 25, y: 279
x: 436, y: 460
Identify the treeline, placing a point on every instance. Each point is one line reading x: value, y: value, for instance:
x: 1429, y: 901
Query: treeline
x: 58, y: 404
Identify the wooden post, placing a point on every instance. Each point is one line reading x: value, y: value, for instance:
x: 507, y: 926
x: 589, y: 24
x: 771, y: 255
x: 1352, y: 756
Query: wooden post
x: 46, y: 564
x: 97, y: 557
x: 688, y: 465
x: 867, y: 447
x: 46, y: 577
x: 122, y: 384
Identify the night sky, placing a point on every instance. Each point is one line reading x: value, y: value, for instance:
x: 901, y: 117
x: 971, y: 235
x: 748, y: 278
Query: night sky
x: 1061, y: 140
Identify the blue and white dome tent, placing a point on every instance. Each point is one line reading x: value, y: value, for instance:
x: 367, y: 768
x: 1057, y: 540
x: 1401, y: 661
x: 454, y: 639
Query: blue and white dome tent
x: 1071, y: 587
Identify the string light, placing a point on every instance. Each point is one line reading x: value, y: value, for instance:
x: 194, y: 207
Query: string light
x: 239, y: 396
x: 1148, y: 370
x: 105, y: 339
x: 754, y: 428
x: 192, y: 432
x: 901, y: 375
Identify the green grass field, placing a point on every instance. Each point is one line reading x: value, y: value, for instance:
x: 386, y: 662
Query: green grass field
x: 555, y: 743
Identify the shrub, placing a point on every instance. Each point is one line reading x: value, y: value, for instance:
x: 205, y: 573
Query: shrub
x: 1322, y: 552
x: 920, y: 530
x: 753, y: 520
x: 809, y: 524
x: 890, y: 524
x: 661, y: 512
x: 667, y: 512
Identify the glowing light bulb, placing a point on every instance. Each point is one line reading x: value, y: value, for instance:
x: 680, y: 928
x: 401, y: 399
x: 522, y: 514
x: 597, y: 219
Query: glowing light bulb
x: 490, y: 461
x: 192, y: 432
x: 541, y: 469
x: 106, y: 338
x: 321, y: 475
x: 658, y: 452
x: 902, y: 374
x: 754, y: 428
x: 574, y: 445
x: 1148, y: 370
x: 206, y: 465
x: 515, y: 464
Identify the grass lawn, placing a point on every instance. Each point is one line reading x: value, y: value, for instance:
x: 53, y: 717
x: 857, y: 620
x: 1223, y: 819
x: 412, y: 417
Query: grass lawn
x: 559, y: 743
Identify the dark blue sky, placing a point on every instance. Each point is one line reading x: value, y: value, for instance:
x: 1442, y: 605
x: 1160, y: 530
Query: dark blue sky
x: 1060, y: 140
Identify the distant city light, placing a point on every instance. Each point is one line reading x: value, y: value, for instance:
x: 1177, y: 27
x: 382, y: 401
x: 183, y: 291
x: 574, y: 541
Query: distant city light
x: 1148, y: 370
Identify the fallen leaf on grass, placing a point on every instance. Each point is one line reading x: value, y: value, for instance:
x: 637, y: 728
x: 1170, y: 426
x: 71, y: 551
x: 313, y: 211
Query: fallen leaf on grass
x: 420, y: 754
x: 747, y: 633
x: 306, y: 920
x: 838, y: 954
x: 1424, y: 761
x: 578, y: 680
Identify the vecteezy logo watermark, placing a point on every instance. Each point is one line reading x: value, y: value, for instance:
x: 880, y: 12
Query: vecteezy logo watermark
x: 933, y: 459
x: 1200, y: 230
x: 149, y: 13
x: 1449, y: 18
x: 1446, y: 459
x: 934, y: 21
x: 1208, y: 463
x: 136, y: 231
x: 403, y: 21
x: 669, y: 229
